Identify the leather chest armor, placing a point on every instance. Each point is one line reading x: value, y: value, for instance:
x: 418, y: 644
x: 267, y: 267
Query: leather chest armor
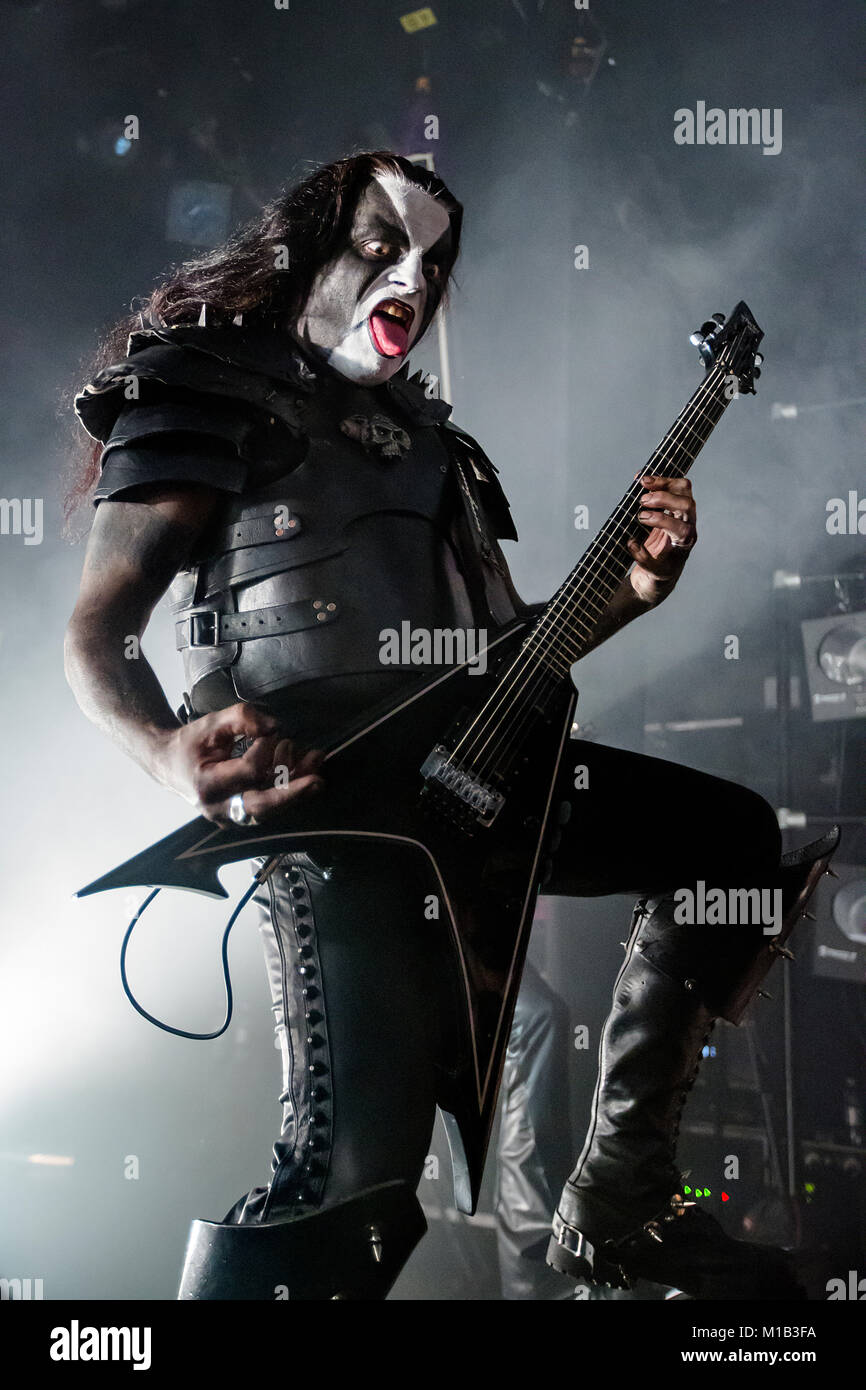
x: 323, y: 560
x: 359, y: 513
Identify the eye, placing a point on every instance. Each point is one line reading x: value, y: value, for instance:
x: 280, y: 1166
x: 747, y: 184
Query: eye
x: 433, y: 271
x: 378, y: 250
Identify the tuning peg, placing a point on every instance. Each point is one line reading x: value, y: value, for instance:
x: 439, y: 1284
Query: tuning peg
x: 719, y: 318
x: 696, y: 338
x: 759, y: 359
x: 709, y: 327
x: 756, y: 373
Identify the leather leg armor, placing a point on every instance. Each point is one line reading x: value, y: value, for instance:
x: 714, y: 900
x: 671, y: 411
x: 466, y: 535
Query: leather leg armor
x: 622, y: 1215
x: 361, y: 1021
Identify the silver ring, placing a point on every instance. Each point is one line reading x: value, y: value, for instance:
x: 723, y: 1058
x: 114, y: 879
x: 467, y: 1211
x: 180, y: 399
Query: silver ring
x: 238, y: 811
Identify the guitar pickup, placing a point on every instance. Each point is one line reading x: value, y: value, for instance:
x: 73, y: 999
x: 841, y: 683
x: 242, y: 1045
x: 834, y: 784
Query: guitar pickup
x: 442, y: 772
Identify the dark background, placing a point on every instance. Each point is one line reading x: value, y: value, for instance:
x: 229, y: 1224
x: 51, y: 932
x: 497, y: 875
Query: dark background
x: 568, y: 378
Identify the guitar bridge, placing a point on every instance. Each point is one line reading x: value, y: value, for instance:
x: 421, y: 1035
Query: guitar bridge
x: 443, y: 773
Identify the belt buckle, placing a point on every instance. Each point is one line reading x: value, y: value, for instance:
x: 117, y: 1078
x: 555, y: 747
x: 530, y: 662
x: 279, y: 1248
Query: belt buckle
x: 203, y: 629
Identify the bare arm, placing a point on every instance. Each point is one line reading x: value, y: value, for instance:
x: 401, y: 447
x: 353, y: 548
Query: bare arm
x: 134, y: 551
x: 623, y: 607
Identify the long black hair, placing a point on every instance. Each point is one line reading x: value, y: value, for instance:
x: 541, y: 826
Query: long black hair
x: 242, y: 276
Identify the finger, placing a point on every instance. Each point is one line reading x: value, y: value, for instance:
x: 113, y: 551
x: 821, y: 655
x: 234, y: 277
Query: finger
x: 310, y: 762
x: 283, y: 758
x: 681, y: 532
x: 286, y: 765
x: 672, y: 501
x: 264, y: 805
x: 237, y: 721
x: 268, y: 761
x: 225, y: 778
x: 662, y: 566
x: 681, y: 486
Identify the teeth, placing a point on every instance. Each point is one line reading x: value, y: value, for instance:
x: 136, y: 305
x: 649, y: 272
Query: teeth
x: 395, y: 311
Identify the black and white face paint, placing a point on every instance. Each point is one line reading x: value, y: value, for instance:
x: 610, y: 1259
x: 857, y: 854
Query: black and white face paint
x: 377, y: 295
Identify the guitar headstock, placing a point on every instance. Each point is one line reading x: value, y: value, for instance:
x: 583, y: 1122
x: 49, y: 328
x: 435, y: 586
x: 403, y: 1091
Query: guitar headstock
x: 732, y: 345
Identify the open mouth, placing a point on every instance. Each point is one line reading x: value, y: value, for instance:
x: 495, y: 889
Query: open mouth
x: 389, y: 325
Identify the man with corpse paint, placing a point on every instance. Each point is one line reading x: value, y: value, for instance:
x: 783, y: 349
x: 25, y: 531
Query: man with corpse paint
x: 280, y: 472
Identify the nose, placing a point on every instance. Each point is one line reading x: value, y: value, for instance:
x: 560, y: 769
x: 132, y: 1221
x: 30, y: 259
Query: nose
x: 408, y: 274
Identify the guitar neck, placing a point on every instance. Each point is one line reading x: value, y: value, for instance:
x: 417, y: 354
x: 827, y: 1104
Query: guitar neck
x: 566, y: 627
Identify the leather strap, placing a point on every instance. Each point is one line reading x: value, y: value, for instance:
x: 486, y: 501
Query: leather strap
x: 259, y: 530
x: 205, y: 628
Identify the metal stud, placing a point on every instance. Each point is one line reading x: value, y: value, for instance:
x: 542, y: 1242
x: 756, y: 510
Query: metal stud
x: 782, y: 951
x: 375, y: 1243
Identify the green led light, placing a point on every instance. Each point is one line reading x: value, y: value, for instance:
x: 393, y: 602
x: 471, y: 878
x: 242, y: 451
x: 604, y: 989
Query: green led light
x: 418, y: 19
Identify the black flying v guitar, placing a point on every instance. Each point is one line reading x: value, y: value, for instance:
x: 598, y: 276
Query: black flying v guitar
x: 471, y: 790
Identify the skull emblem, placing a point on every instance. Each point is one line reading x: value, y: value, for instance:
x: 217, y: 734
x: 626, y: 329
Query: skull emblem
x: 377, y: 433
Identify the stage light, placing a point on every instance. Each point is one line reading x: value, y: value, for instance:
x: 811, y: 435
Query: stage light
x: 835, y: 651
x: 199, y: 213
x: 839, y: 933
x: 106, y: 142
x: 849, y: 910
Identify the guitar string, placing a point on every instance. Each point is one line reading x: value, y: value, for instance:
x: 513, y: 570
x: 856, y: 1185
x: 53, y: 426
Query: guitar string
x: 536, y: 662
x: 579, y: 584
x: 551, y: 615
x: 601, y: 560
x: 601, y: 557
x: 566, y: 599
x: 576, y: 588
x: 533, y: 693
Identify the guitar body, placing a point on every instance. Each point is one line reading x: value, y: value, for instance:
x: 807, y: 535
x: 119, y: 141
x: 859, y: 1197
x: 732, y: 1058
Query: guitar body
x: 484, y: 877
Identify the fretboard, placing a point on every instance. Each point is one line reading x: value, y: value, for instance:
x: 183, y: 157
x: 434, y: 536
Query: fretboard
x: 565, y: 628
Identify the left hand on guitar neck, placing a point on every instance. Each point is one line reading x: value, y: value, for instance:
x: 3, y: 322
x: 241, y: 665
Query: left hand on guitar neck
x: 667, y: 508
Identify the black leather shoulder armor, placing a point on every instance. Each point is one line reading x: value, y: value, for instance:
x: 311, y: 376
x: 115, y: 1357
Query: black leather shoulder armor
x: 195, y: 366
x: 482, y: 478
x: 184, y: 395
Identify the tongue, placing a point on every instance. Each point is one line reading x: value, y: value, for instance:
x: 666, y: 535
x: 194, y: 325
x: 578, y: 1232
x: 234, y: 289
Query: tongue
x: 389, y: 335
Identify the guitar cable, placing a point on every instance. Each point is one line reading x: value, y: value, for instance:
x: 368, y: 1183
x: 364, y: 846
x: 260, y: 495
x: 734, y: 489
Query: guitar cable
x: 258, y: 879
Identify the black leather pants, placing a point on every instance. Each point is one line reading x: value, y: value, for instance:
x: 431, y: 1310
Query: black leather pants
x: 360, y: 977
x: 534, y: 1144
